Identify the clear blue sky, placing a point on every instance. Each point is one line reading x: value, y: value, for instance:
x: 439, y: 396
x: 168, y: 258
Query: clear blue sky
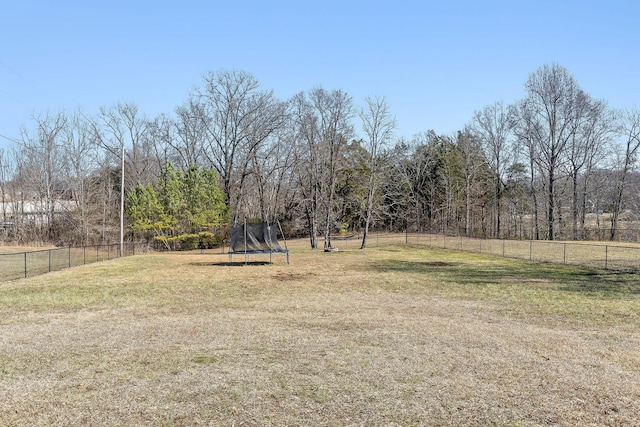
x: 436, y: 62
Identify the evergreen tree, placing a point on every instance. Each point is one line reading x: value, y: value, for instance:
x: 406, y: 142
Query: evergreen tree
x: 184, y: 212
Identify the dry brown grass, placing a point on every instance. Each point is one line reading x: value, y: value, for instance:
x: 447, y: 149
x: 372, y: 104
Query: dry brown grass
x: 9, y: 249
x: 387, y: 336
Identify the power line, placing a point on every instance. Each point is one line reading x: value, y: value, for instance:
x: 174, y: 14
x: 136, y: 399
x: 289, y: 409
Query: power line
x: 7, y: 93
x: 10, y: 139
x: 11, y: 69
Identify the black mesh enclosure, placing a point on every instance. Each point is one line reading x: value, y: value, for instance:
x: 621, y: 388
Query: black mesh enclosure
x: 255, y: 238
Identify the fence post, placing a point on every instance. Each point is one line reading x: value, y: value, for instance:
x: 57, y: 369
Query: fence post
x: 69, y: 256
x: 49, y: 260
x: 84, y: 254
x: 564, y: 255
x: 25, y: 264
x: 530, y: 250
x: 606, y: 257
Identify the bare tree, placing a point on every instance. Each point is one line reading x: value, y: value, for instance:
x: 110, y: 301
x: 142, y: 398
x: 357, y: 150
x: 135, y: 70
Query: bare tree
x: 336, y: 110
x: 414, y: 184
x: 189, y: 134
x: 525, y: 131
x: 6, y: 175
x: 474, y: 167
x: 586, y: 150
x: 124, y: 126
x: 271, y: 167
x: 323, y: 124
x: 549, y: 118
x: 41, y: 161
x: 80, y: 148
x: 378, y: 125
x: 161, y: 136
x: 451, y: 180
x: 307, y: 163
x: 237, y: 118
x: 493, y: 126
x: 630, y: 130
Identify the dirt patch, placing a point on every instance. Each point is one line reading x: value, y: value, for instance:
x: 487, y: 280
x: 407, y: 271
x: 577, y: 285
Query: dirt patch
x: 285, y: 276
x: 230, y: 264
x: 439, y: 264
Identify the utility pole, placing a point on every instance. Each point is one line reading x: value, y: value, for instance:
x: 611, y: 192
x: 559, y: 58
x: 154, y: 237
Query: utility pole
x: 122, y: 204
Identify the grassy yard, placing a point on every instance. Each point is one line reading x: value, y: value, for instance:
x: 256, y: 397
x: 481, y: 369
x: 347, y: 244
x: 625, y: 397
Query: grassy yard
x: 395, y: 335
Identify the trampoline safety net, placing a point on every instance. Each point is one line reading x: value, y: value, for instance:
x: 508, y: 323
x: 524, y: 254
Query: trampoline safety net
x: 255, y: 238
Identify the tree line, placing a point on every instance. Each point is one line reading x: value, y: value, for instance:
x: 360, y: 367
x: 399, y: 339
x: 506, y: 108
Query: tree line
x: 557, y: 164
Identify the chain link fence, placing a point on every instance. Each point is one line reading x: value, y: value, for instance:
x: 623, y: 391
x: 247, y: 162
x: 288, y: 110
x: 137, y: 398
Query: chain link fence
x: 617, y: 257
x: 609, y: 256
x: 19, y: 265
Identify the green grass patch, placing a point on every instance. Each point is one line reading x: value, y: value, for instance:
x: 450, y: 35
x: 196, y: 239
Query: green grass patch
x: 570, y: 293
x: 205, y: 360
